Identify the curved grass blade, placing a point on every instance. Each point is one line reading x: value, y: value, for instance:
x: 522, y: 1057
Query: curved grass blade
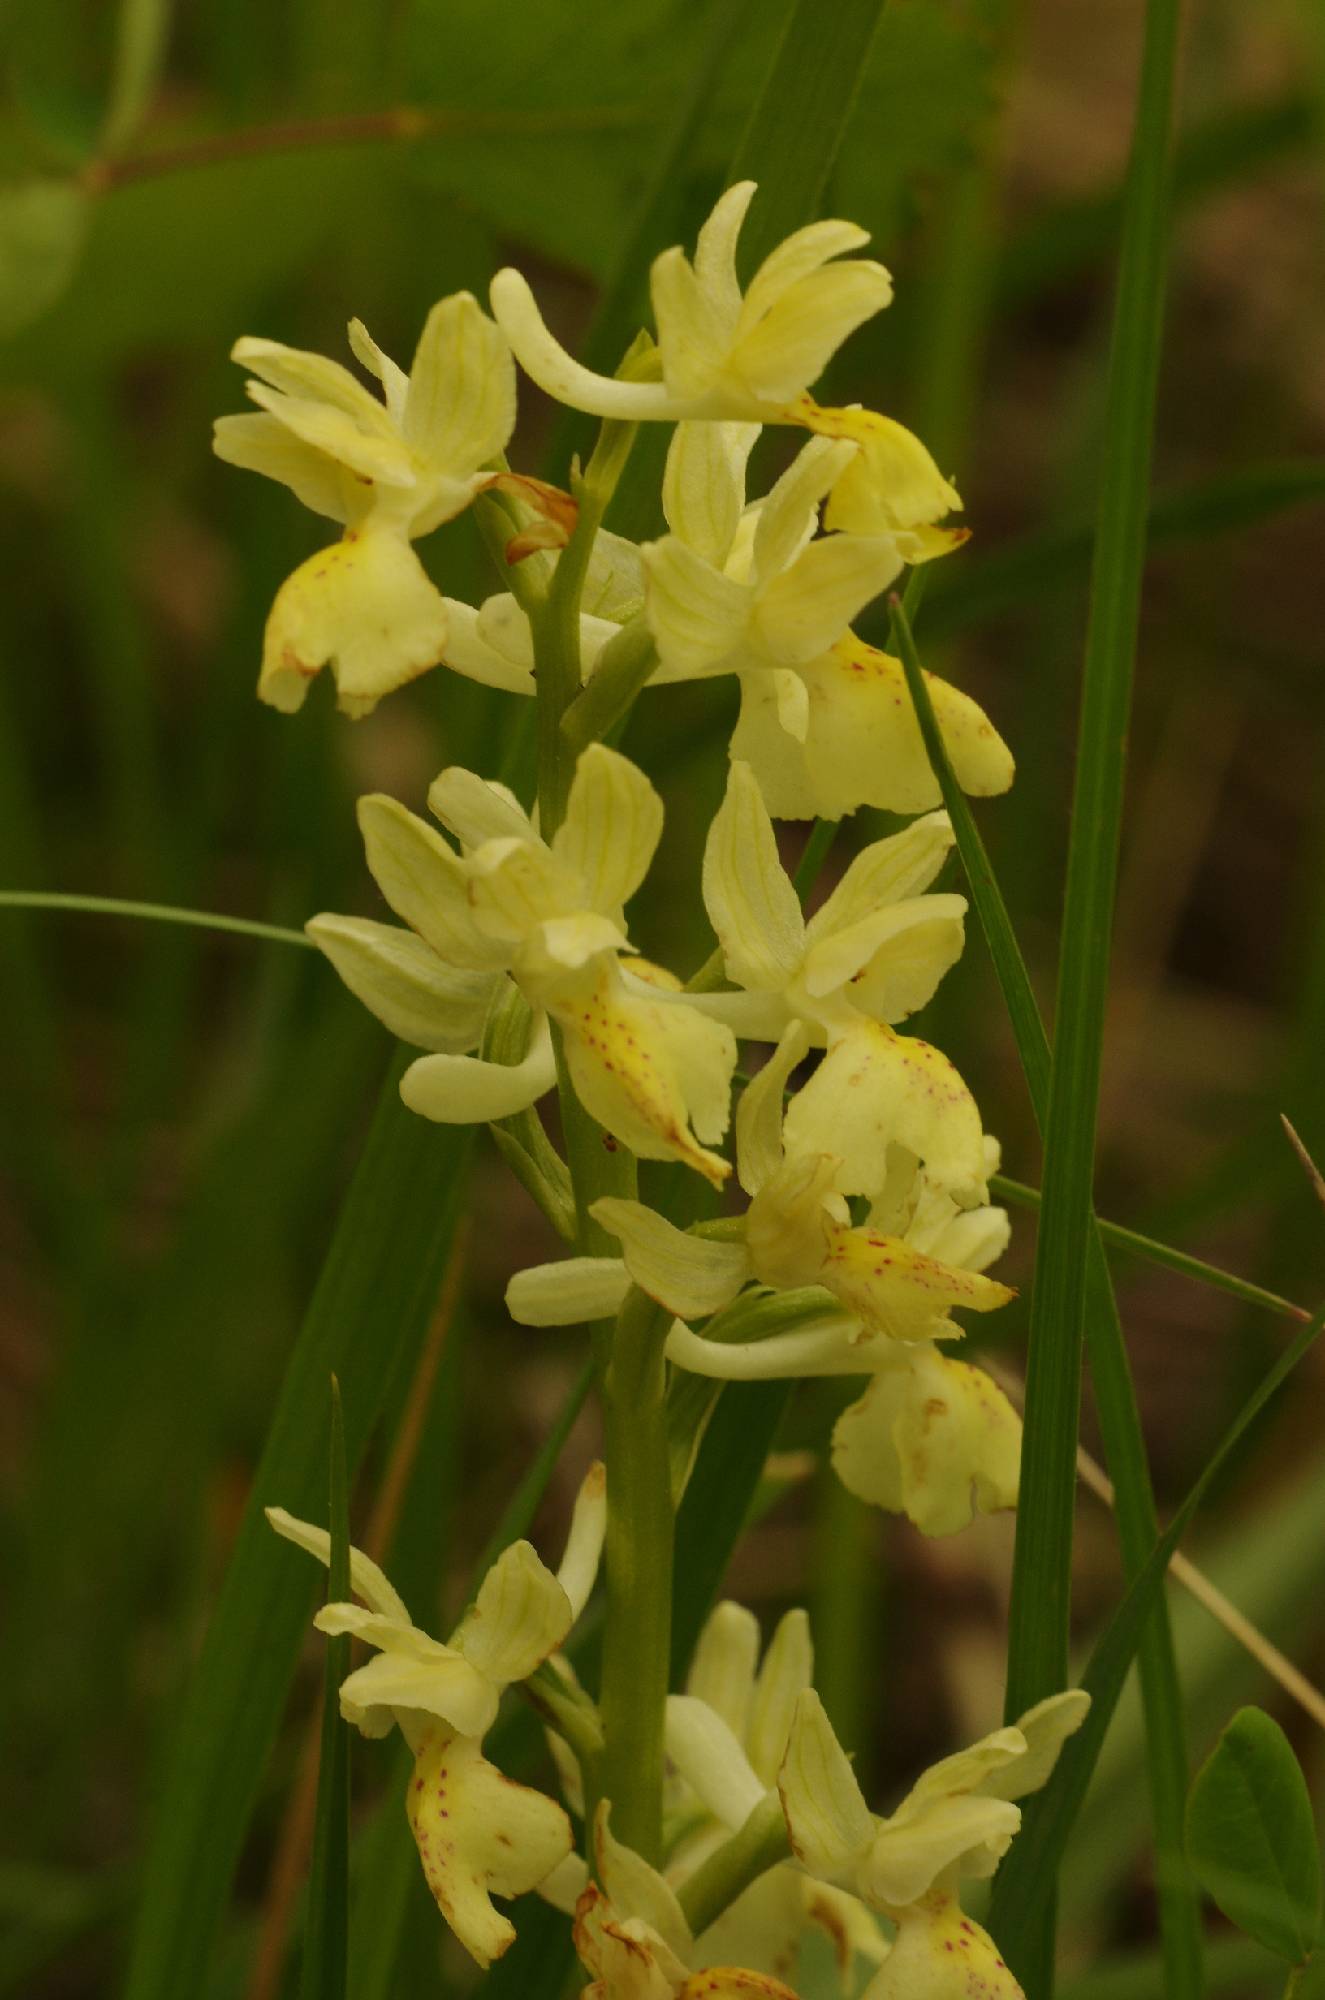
x: 326, y: 1932
x: 1165, y: 1255
x: 1025, y: 1880
x: 370, y: 1308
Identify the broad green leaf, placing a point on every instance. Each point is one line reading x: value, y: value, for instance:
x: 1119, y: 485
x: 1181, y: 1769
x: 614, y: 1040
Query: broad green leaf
x: 1252, y: 1838
x: 43, y: 226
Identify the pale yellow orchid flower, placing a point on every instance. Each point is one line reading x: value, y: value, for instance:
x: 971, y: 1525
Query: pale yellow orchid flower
x: 726, y: 1738
x: 876, y: 948
x: 958, y: 1820
x: 478, y: 1834
x: 547, y: 916
x: 826, y: 722
x: 873, y: 1089
x: 724, y: 352
x: 750, y: 591
x: 932, y: 1437
x: 390, y: 470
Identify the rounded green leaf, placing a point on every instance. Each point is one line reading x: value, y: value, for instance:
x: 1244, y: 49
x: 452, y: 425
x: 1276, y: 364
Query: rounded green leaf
x: 1252, y: 1838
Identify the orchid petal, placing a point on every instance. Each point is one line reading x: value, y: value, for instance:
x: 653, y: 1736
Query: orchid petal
x: 689, y: 1276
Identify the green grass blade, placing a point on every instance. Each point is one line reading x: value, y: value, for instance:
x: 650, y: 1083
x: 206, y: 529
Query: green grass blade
x: 799, y: 120
x: 1117, y: 1237
x: 160, y: 913
x: 1120, y: 1422
x: 1040, y: 1607
x: 326, y: 1932
x: 1025, y: 1880
x: 371, y: 1306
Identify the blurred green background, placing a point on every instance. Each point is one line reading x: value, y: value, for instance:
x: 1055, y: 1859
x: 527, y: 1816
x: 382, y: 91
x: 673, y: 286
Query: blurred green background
x: 181, y: 1111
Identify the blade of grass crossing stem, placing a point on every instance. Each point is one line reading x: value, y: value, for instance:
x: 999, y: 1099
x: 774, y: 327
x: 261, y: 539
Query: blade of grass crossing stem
x: 326, y: 1932
x: 372, y: 1302
x: 1025, y: 1880
x: 1039, y: 1613
x: 1120, y: 1422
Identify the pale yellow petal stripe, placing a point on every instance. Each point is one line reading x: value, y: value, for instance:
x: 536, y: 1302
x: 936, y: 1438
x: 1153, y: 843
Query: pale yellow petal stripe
x: 751, y: 903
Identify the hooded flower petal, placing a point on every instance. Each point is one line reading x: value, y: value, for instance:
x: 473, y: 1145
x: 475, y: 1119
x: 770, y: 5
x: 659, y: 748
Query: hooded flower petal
x: 888, y: 871
x: 828, y: 1822
x: 366, y: 606
x: 398, y: 1687
x: 691, y: 1276
x: 521, y: 1614
x: 480, y: 1835
x: 477, y: 809
x: 401, y: 979
x: 931, y: 1438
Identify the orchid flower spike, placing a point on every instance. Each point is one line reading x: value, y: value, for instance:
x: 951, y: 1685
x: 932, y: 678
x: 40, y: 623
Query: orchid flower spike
x: 724, y: 353
x: 547, y: 916
x: 389, y: 470
x: 958, y: 1820
x: 478, y: 1834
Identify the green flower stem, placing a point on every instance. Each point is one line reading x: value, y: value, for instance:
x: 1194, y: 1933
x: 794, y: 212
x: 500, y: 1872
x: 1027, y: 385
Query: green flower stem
x: 556, y: 623
x: 759, y: 1845
x: 160, y: 913
x: 640, y: 1527
x: 622, y: 669
x: 570, y: 1713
